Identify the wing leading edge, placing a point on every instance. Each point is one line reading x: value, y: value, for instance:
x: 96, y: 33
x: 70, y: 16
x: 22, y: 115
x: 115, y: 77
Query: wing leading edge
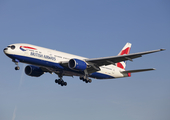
x: 97, y: 62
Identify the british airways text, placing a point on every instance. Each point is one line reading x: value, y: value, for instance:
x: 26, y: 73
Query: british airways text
x: 43, y: 56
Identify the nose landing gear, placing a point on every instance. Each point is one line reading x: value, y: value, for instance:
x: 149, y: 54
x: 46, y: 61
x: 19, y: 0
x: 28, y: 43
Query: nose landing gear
x: 17, y: 68
x: 16, y: 63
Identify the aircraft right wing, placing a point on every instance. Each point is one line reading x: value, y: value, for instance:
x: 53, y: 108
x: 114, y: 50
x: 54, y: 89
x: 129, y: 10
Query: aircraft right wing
x: 97, y: 62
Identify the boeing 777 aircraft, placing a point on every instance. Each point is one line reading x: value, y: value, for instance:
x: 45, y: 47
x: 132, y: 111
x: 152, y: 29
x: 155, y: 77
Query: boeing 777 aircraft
x: 43, y: 60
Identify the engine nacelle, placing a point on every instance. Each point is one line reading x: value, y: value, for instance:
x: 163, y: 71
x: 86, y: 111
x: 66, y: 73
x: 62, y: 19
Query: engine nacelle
x: 76, y: 64
x: 33, y: 71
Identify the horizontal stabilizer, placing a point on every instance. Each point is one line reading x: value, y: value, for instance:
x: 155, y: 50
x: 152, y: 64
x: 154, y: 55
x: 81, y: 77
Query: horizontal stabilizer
x: 139, y: 70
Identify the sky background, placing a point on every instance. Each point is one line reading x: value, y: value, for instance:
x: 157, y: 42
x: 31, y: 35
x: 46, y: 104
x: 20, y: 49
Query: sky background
x: 89, y: 28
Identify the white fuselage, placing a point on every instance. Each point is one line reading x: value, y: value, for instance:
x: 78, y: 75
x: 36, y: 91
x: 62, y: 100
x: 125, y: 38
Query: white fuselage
x: 51, y: 59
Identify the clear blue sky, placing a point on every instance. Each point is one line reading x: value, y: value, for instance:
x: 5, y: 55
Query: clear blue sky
x: 89, y: 28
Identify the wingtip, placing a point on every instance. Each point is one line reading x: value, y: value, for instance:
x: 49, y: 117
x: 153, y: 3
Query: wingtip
x: 162, y: 49
x: 153, y: 68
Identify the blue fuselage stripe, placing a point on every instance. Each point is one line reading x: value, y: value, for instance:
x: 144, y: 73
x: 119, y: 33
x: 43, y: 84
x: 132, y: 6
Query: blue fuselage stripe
x: 100, y: 76
x: 53, y: 65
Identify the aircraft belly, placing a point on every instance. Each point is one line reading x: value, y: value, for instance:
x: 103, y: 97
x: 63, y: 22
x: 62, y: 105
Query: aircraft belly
x: 99, y: 75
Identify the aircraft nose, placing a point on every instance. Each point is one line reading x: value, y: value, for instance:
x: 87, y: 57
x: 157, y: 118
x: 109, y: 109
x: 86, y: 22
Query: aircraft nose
x: 5, y: 49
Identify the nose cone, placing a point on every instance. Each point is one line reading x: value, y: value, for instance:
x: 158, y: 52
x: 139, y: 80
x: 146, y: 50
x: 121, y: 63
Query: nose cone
x: 5, y: 50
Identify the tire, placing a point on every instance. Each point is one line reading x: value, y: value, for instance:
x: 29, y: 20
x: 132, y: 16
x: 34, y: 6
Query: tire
x: 65, y: 83
x: 59, y: 81
x: 17, y: 68
x: 56, y: 81
x: 90, y: 80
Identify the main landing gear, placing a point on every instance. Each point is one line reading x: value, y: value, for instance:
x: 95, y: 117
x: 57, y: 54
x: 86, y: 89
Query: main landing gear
x: 16, y: 63
x: 61, y: 81
x: 87, y: 80
x: 85, y: 77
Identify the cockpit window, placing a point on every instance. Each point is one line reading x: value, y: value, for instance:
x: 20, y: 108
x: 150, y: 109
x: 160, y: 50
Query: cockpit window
x: 12, y: 47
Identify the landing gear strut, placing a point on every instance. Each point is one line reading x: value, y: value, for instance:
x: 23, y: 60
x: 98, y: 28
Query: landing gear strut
x: 16, y: 63
x: 85, y: 77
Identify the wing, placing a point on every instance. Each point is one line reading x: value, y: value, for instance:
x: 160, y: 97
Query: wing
x: 52, y: 70
x: 97, y: 62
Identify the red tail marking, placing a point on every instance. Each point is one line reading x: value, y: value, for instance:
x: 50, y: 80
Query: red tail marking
x: 120, y: 65
x: 125, y: 51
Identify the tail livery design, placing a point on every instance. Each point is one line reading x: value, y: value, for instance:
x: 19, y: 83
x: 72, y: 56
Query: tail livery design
x: 125, y: 50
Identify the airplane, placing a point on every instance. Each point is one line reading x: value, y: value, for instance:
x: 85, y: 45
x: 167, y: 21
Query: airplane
x: 42, y: 60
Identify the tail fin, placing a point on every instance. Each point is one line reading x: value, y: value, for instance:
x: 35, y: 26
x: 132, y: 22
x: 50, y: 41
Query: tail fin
x: 125, y: 50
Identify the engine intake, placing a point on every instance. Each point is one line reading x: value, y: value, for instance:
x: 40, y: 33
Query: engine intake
x: 76, y: 64
x: 33, y: 71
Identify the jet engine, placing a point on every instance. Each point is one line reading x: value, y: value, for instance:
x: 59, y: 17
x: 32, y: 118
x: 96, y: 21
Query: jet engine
x: 33, y: 71
x: 76, y: 64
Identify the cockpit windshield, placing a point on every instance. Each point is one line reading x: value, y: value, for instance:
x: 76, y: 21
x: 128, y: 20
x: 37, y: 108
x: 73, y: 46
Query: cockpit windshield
x: 13, y: 47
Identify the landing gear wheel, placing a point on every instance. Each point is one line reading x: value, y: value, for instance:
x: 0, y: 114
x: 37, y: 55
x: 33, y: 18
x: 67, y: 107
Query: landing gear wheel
x: 86, y: 80
x: 81, y: 78
x: 56, y: 81
x: 61, y: 82
x: 17, y: 68
x: 90, y: 80
x: 65, y: 83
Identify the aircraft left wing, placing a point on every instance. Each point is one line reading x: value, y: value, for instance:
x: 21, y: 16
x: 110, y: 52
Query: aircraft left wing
x: 97, y: 62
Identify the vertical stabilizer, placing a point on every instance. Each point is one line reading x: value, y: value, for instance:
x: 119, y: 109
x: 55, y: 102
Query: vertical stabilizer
x: 125, y: 50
